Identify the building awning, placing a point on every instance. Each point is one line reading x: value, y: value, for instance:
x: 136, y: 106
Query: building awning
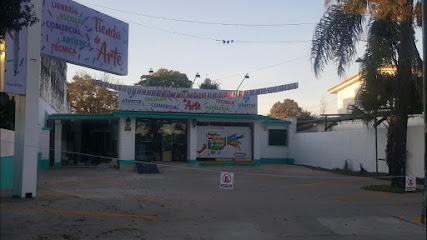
x: 164, y: 115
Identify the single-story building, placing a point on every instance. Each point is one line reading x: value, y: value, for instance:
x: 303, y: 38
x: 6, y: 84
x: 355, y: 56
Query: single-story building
x: 201, y: 126
x: 226, y: 139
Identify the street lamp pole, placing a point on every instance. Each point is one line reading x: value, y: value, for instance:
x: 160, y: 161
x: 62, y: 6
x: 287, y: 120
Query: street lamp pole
x: 246, y: 76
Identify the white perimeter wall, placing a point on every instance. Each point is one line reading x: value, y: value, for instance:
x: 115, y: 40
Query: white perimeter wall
x: 7, y: 142
x: 331, y: 149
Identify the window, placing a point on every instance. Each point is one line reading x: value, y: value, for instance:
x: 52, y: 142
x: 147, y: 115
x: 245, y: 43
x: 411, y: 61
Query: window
x: 278, y: 137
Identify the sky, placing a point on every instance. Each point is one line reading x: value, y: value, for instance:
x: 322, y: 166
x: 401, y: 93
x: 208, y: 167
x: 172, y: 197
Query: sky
x: 158, y: 43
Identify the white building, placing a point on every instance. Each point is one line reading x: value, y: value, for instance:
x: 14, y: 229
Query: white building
x: 52, y: 100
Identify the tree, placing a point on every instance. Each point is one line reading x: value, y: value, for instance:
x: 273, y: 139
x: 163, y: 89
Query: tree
x: 15, y: 14
x: 165, y: 78
x: 87, y: 98
x: 7, y: 111
x: 288, y: 108
x: 209, y: 84
x: 390, y: 41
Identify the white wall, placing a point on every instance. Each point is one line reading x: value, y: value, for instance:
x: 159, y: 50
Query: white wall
x: 331, y: 149
x: 44, y: 140
x: 126, y: 146
x: 346, y: 97
x: 415, y: 155
x: 7, y: 142
x: 268, y: 151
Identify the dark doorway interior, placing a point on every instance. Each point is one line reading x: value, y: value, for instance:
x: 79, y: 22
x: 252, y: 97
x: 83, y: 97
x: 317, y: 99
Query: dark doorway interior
x: 160, y: 140
x: 89, y: 142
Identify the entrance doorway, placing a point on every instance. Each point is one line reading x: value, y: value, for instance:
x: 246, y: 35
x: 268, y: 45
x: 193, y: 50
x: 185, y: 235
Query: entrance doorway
x: 160, y: 140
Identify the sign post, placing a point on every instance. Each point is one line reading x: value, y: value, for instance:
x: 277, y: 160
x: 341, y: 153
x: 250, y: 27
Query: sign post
x: 226, y: 180
x: 26, y: 115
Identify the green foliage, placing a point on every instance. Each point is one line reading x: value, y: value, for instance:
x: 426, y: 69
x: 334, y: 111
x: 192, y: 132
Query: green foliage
x: 335, y: 38
x: 289, y: 108
x: 165, y: 78
x: 390, y: 41
x: 87, y: 98
x: 209, y: 84
x: 13, y: 16
x: 7, y: 112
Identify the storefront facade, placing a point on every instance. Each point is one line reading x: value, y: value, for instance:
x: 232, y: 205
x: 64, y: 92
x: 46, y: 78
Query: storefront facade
x: 164, y: 124
x: 207, y: 139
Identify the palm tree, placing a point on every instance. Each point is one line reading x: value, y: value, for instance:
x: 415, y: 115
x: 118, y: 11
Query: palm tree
x: 209, y: 84
x: 390, y: 27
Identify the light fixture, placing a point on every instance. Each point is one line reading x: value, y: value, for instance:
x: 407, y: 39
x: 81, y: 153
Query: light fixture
x: 197, y: 76
x: 246, y: 76
x: 128, y: 121
x: 150, y: 71
x: 194, y: 122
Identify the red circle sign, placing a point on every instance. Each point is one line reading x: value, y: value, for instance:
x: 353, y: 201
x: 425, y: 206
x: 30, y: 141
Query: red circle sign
x: 410, y: 181
x: 226, y: 178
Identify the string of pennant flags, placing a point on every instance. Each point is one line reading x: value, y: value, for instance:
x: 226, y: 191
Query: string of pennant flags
x: 193, y: 93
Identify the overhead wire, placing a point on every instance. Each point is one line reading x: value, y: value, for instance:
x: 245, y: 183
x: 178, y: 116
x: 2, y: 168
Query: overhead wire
x: 263, y: 68
x: 202, y: 22
x: 215, y: 39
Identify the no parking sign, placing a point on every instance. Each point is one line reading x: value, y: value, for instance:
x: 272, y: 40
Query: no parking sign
x: 226, y: 180
x: 410, y: 183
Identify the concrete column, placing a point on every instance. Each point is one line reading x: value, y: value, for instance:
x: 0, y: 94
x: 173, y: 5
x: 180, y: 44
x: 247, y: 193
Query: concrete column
x: 77, y: 139
x: 292, y: 130
x: 26, y: 117
x: 126, y: 146
x: 257, y: 143
x: 191, y: 142
x: 44, y: 141
x: 58, y: 144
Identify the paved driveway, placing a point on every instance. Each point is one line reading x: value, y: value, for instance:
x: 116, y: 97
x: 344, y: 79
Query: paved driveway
x: 184, y: 202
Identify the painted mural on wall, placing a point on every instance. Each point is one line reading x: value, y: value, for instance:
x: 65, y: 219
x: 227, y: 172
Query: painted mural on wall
x: 224, y: 142
x: 238, y: 105
x: 84, y: 36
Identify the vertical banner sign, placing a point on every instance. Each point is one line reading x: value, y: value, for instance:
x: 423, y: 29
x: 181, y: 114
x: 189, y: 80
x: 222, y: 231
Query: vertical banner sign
x: 84, y: 36
x: 226, y: 180
x: 410, y: 183
x: 15, y: 62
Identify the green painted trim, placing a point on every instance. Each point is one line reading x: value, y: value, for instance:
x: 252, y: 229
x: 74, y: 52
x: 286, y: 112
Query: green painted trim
x: 46, y: 128
x: 229, y: 164
x: 243, y: 164
x: 126, y: 162
x: 57, y: 164
x: 43, y: 164
x: 81, y: 116
x: 191, y: 161
x: 188, y: 115
x: 203, y: 164
x: 276, y: 122
x: 257, y: 162
x: 7, y: 172
x: 277, y: 161
x: 165, y: 115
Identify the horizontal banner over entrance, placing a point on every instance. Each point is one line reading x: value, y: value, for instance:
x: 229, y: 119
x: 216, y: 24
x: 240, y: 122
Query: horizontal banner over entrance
x: 193, y: 93
x: 138, y: 102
